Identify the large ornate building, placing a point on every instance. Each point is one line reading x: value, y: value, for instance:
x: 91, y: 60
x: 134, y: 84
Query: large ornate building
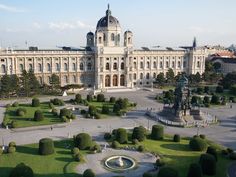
x: 108, y: 61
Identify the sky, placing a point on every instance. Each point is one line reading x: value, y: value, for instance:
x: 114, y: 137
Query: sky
x: 173, y: 23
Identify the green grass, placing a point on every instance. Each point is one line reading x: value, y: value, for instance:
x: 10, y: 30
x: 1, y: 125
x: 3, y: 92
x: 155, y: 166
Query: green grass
x: 179, y: 155
x: 27, y: 119
x: 59, y: 164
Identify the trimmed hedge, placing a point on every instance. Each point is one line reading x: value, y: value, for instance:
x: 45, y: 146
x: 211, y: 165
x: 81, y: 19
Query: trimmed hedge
x: 75, y: 150
x: 78, y: 98
x: 176, y: 138
x: 139, y: 133
x: 232, y: 156
x: 46, y: 146
x: 15, y: 104
x: 92, y: 110
x: 157, y: 132
x: 198, y: 144
x: 21, y: 111
x: 212, y: 150
x: 141, y: 148
x: 115, y: 144
x: 83, y: 141
x: 100, y: 98
x: 167, y: 172
x: 105, y: 109
x: 88, y: 173
x: 160, y: 162
x: 35, y: 102
x: 65, y: 112
x: 57, y: 102
x: 112, y: 100
x: 146, y: 174
x: 11, y: 149
x: 107, y: 136
x: 121, y: 136
x: 38, y: 115
x: 12, y: 144
x: 195, y: 170
x: 89, y: 98
x: 21, y: 170
x: 208, y: 164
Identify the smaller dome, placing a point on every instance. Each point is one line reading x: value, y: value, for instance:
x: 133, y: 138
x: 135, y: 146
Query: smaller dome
x: 90, y: 34
x: 128, y: 31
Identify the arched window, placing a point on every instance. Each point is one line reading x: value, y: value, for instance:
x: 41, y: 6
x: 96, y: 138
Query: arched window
x: 141, y: 65
x: 48, y: 67
x: 198, y: 64
x: 112, y: 37
x: 65, y: 67
x: 122, y: 66
x: 57, y: 67
x: 65, y: 79
x: 115, y: 66
x: 161, y: 64
x: 3, y: 69
x: 154, y: 75
x: 184, y: 65
x: 74, y: 66
x: 135, y: 76
x: 89, y: 66
x: 30, y: 67
x: 167, y: 64
x: 173, y: 64
x: 40, y: 67
x: 147, y: 76
x: 107, y: 81
x: 179, y: 64
x: 141, y: 76
x: 122, y: 80
x: 129, y: 40
x: 135, y: 65
x: 107, y: 66
x: 100, y: 40
x: 81, y: 66
x: 118, y: 37
x: 74, y: 78
x: 154, y: 64
x: 115, y: 80
x: 104, y: 37
x: 148, y: 64
x: 21, y: 67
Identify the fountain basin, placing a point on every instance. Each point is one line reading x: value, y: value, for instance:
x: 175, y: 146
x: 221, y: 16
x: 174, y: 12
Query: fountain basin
x: 114, y: 163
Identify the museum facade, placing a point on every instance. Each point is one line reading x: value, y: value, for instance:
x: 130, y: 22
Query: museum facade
x: 109, y: 60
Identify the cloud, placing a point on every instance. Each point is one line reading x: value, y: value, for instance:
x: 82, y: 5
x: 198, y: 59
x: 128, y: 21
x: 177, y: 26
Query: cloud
x: 61, y: 26
x: 36, y: 25
x: 11, y: 9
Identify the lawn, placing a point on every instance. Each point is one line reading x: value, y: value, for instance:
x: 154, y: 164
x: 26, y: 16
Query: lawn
x: 179, y: 155
x: 59, y: 164
x: 27, y: 119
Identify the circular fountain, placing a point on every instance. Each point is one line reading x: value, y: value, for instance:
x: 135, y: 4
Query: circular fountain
x: 119, y: 163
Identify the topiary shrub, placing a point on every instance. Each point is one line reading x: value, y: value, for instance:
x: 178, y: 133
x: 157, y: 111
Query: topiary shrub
x: 135, y: 141
x: 224, y: 152
x: 141, y: 148
x: 12, y: 144
x: 46, y: 146
x: 112, y: 100
x: 195, y: 170
x: 15, y: 104
x: 157, y: 132
x: 14, y: 124
x: 167, y: 172
x: 21, y: 170
x: 38, y: 115
x: 35, y: 102
x: 65, y: 113
x: 92, y: 110
x: 51, y: 105
x: 75, y: 150
x: 79, y: 157
x: 139, y: 133
x: 232, y: 156
x: 208, y: 164
x: 105, y: 109
x: 98, y: 116
x: 1, y: 150
x: 160, y: 162
x: 114, y: 131
x: 83, y: 111
x: 107, y: 136
x: 78, y: 98
x: 11, y: 149
x: 7, y: 105
x: 202, y: 136
x: 100, y: 98
x: 212, y: 150
x: 121, y: 136
x: 83, y: 141
x: 197, y: 144
x: 54, y: 112
x: 21, y: 111
x: 230, y: 150
x: 115, y: 144
x: 57, y: 102
x: 96, y: 148
x: 88, y: 173
x: 176, y: 138
x: 89, y: 98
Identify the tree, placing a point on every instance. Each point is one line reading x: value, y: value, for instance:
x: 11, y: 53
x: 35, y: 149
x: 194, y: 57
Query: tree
x: 167, y: 172
x: 208, y: 164
x: 55, y: 82
x: 229, y: 80
x: 157, y: 132
x: 160, y: 79
x: 139, y: 133
x: 208, y: 66
x: 33, y: 82
x: 5, y: 85
x: 15, y: 84
x: 83, y: 141
x: 195, y: 170
x: 121, y: 136
x: 46, y: 146
x: 88, y: 173
x: 170, y: 76
x: 197, y: 77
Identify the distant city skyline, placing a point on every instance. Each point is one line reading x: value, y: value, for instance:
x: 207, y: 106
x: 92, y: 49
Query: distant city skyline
x: 173, y: 23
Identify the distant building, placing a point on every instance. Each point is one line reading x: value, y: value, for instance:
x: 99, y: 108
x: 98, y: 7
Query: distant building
x: 108, y: 61
x: 225, y: 65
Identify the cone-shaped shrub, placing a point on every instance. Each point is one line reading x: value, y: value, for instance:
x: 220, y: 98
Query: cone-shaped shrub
x: 46, y: 146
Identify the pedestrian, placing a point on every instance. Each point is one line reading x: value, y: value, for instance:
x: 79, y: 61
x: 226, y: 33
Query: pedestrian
x: 51, y: 128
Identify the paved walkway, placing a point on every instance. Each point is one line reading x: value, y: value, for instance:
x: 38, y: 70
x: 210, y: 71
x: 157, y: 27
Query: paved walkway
x: 144, y: 161
x: 232, y: 170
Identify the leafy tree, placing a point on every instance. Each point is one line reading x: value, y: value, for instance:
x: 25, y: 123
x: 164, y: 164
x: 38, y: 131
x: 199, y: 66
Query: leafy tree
x: 22, y: 170
x: 55, y: 82
x: 5, y: 85
x: 170, y: 76
x: 229, y: 80
x: 33, y: 82
x: 15, y: 84
x: 208, y: 66
x: 160, y: 79
x: 197, y: 77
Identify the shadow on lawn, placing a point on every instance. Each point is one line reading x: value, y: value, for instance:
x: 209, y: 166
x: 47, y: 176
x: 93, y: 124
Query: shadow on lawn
x: 176, y: 147
x: 27, y: 150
